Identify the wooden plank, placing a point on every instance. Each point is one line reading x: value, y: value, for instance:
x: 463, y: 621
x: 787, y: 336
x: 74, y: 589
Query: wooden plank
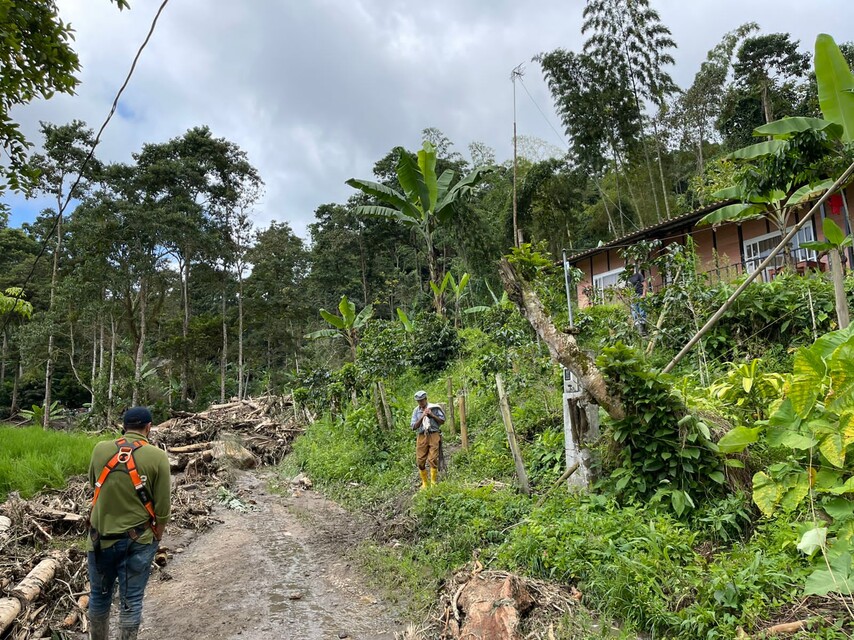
x: 504, y: 405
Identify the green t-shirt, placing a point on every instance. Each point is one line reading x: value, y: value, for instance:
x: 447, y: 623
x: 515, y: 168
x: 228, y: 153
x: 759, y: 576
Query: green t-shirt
x: 119, y: 508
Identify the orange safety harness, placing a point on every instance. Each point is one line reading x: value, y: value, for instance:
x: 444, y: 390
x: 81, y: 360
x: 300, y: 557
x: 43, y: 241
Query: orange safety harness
x: 124, y: 456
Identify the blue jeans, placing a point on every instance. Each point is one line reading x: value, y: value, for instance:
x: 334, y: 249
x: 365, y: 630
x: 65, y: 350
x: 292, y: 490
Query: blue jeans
x: 128, y: 562
x: 638, y: 314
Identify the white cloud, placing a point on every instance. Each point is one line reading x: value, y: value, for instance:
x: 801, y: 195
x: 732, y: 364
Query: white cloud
x: 317, y: 91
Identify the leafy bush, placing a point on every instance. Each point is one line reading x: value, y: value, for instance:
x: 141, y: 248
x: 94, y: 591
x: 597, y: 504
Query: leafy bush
x: 435, y: 343
x: 385, y: 349
x: 662, y: 450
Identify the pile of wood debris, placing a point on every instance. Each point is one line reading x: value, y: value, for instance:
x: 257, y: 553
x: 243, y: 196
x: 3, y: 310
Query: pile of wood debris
x: 43, y: 576
x: 240, y: 433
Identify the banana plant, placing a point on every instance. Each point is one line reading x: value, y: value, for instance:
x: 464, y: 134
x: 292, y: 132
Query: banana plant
x: 346, y: 326
x: 428, y: 201
x: 458, y: 288
x: 405, y: 321
x: 834, y: 243
x: 782, y: 151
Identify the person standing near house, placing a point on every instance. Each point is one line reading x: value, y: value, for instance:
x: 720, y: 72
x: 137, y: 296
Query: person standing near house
x: 427, y: 420
x: 638, y: 282
x: 130, y: 509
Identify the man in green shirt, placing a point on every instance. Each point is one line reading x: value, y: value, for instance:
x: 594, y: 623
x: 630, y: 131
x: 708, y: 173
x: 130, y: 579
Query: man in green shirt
x: 130, y: 510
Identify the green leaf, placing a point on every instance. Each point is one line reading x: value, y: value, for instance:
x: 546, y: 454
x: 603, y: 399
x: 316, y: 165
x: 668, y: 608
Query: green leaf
x: 766, y: 493
x: 787, y: 126
x: 835, y: 85
x: 833, y: 450
x: 808, y: 372
x: 445, y: 209
x: 758, y: 150
x: 785, y: 416
x: 842, y: 375
x: 427, y: 165
x: 677, y: 499
x: 813, y: 540
x: 846, y: 427
x: 323, y: 333
x: 735, y: 463
x: 731, y: 212
x: 410, y: 178
x: 734, y: 192
x: 795, y: 492
x: 838, y: 508
x: 332, y: 319
x: 407, y: 325
x: 838, y: 578
x: 846, y: 487
x: 717, y: 476
x: 363, y: 317
x: 444, y: 183
x: 385, y: 194
x: 794, y: 440
x: 737, y: 439
x: 832, y: 232
x: 348, y: 312
x: 808, y: 191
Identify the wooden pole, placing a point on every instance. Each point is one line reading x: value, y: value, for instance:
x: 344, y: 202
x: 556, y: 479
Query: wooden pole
x: 521, y: 475
x: 842, y: 314
x: 759, y: 269
x: 452, y: 427
x: 389, y: 420
x: 464, y: 432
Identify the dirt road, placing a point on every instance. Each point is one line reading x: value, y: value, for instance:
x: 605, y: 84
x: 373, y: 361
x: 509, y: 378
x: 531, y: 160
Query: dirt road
x: 278, y: 572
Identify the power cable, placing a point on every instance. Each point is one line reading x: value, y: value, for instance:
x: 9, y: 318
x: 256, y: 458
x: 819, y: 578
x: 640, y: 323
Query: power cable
x: 58, y: 216
x: 563, y: 141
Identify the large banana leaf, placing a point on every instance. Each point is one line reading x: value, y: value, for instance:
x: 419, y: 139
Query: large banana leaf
x: 363, y: 317
x: 445, y: 209
x: 385, y: 194
x: 427, y: 165
x: 731, y: 213
x: 323, y: 333
x: 444, y: 183
x: 410, y: 178
x: 807, y: 191
x: 757, y: 150
x: 348, y: 312
x: 332, y: 319
x: 787, y: 126
x: 374, y: 211
x: 835, y: 85
x: 734, y: 192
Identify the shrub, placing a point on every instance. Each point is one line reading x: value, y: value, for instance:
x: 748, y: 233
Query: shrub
x: 435, y: 343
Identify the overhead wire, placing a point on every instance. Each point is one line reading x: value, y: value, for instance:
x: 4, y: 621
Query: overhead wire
x: 565, y: 144
x: 58, y: 217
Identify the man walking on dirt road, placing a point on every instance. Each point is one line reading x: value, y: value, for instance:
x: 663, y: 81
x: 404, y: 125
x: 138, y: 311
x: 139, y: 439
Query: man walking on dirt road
x: 427, y: 420
x: 130, y: 510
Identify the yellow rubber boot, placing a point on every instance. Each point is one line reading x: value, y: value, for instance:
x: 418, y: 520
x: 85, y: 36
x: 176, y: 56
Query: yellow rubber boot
x: 423, y: 474
x: 434, y: 475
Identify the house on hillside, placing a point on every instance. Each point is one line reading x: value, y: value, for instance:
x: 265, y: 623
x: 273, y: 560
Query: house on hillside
x: 724, y: 252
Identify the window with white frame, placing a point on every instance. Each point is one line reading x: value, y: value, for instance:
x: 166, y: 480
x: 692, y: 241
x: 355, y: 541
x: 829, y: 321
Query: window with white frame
x: 757, y: 249
x: 605, y: 281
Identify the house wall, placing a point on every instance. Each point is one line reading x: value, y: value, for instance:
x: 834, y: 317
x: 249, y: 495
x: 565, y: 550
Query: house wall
x: 719, y: 250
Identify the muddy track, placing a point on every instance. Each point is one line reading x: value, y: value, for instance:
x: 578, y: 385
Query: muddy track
x: 278, y: 572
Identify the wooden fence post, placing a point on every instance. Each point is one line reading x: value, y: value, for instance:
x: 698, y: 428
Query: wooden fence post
x: 452, y: 427
x: 389, y: 419
x: 461, y: 409
x: 521, y: 475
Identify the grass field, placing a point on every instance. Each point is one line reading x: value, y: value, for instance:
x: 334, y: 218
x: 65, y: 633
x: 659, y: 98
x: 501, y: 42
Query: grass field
x: 32, y: 459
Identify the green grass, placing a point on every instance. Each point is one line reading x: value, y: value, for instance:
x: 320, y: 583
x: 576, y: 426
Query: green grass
x: 32, y: 459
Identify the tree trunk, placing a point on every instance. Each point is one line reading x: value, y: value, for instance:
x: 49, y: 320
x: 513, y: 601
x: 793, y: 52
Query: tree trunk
x: 94, y: 363
x: 842, y: 313
x: 19, y: 371
x: 438, y: 303
x: 3, y: 360
x: 661, y: 168
x: 140, y: 349
x: 185, y: 333
x: 562, y: 347
x: 48, y: 377
x: 766, y: 104
x: 112, y: 380
x: 240, y: 334
x: 223, y: 360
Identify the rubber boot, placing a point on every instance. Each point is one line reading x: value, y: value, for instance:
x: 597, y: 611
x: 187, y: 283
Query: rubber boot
x: 129, y: 633
x: 423, y: 474
x: 99, y: 628
x: 434, y: 475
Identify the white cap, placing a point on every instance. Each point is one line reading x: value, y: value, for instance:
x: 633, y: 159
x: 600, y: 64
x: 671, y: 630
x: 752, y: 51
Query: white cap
x: 420, y: 395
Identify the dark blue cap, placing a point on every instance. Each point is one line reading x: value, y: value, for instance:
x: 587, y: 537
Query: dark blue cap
x: 137, y: 417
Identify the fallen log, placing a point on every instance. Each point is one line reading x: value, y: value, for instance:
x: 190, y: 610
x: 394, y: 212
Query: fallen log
x: 563, y: 478
x: 190, y: 448
x: 233, y: 454
x: 73, y: 616
x: 65, y: 516
x: 27, y: 590
x: 787, y: 627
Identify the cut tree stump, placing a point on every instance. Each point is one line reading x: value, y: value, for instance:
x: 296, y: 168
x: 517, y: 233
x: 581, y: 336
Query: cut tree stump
x: 233, y: 454
x: 493, y: 608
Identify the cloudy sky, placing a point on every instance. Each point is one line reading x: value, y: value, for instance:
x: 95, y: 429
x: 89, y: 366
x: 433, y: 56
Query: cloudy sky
x: 317, y: 90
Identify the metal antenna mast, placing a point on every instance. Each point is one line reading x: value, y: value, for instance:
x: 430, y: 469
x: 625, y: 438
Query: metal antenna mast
x: 517, y: 72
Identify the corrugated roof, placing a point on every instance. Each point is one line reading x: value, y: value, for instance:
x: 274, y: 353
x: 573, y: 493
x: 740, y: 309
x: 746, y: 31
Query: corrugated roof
x: 640, y: 234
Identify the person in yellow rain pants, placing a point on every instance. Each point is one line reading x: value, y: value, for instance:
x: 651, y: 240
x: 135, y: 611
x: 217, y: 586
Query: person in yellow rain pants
x: 427, y: 420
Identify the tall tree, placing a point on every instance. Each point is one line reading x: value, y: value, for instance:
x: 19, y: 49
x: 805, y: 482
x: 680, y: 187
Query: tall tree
x: 66, y: 150
x: 767, y: 71
x: 629, y: 41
